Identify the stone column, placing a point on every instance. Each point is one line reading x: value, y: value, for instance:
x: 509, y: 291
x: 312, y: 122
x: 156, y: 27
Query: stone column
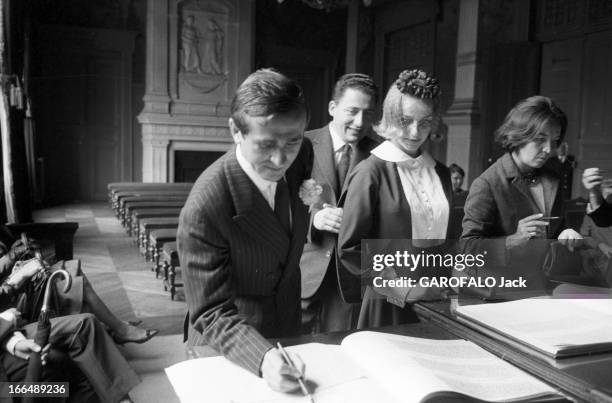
x: 156, y: 96
x: 156, y: 154
x: 156, y: 99
x: 463, y: 117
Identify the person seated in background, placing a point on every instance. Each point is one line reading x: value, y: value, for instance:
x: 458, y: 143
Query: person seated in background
x: 80, y: 299
x: 516, y: 200
x: 95, y: 369
x: 399, y: 192
x: 599, y: 240
x: 457, y: 177
x: 563, y: 164
x: 598, y: 208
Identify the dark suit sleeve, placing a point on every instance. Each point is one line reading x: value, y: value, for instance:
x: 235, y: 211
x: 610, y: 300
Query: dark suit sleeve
x: 602, y: 217
x: 479, y: 223
x: 359, y: 205
x: 359, y: 221
x: 205, y: 259
x: 314, y: 235
x: 6, y: 331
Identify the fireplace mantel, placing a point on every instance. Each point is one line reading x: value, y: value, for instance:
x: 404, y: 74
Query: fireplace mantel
x: 198, y: 52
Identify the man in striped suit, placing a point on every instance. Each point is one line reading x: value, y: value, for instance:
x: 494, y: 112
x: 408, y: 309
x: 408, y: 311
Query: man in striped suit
x: 243, y: 228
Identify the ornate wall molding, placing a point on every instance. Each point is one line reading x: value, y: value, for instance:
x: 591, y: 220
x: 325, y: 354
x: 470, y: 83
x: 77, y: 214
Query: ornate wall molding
x: 203, y: 35
x: 161, y: 140
x: 165, y: 134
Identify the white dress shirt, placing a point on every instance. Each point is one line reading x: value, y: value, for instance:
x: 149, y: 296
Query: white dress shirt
x: 337, y: 145
x: 267, y: 188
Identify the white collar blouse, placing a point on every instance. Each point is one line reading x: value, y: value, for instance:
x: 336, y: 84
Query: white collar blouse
x: 423, y: 190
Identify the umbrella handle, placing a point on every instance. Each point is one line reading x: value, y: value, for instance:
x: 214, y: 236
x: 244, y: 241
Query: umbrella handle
x: 47, y: 298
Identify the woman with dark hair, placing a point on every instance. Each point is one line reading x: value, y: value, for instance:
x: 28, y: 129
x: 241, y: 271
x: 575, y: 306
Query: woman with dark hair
x: 399, y: 192
x: 517, y: 199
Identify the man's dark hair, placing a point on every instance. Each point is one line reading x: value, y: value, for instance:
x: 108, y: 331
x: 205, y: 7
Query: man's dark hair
x: 264, y: 93
x: 357, y: 81
x: 456, y: 168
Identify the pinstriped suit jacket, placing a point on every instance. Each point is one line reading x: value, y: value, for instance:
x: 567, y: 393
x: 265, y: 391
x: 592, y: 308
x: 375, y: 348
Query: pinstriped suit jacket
x: 241, y: 270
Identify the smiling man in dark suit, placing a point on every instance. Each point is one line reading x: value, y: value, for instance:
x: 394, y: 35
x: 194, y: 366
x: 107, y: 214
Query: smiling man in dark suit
x: 243, y: 228
x: 338, y: 147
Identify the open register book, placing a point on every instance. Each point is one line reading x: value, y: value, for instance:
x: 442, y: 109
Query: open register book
x: 555, y: 327
x: 371, y: 367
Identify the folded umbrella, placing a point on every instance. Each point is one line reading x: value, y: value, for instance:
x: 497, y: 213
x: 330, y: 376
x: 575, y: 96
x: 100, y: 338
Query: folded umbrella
x: 43, y: 328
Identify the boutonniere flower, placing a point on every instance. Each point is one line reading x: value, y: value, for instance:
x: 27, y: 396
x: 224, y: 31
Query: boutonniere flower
x: 310, y: 193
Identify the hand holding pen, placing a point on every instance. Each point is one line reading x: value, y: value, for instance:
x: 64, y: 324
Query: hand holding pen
x: 300, y: 380
x: 279, y: 372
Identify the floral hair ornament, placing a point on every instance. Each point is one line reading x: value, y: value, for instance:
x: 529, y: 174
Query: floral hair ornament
x: 418, y: 84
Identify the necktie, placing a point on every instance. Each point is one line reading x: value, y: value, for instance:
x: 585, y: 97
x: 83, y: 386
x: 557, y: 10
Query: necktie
x: 282, y: 204
x: 344, y: 165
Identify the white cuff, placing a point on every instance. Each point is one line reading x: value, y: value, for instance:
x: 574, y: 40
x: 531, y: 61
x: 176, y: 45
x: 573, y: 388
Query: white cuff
x: 314, y: 219
x: 9, y: 317
x: 16, y: 338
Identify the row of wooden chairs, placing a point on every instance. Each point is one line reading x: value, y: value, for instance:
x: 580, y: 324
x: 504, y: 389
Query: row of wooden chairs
x: 149, y: 213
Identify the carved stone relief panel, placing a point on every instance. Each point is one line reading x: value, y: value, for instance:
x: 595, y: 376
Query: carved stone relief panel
x: 201, y: 35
